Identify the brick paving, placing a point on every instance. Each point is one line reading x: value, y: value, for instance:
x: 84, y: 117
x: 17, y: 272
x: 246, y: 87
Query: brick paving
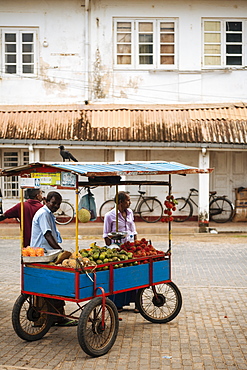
x: 209, y: 333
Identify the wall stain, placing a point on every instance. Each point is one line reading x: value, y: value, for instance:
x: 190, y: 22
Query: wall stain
x: 123, y: 94
x: 98, y: 90
x: 134, y: 83
x: 50, y: 84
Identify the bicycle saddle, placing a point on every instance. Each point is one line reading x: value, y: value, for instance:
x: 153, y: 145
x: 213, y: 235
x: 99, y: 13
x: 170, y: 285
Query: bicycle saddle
x: 194, y: 190
x: 141, y: 192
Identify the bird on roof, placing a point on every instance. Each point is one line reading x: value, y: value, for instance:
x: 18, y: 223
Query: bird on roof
x: 65, y: 154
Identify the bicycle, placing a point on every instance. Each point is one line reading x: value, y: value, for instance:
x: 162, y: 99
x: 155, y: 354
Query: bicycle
x: 221, y: 209
x: 149, y: 208
x: 66, y: 212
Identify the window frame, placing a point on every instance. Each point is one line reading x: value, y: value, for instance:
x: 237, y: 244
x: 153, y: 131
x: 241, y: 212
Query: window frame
x: 11, y: 184
x: 223, y: 43
x: 135, y: 44
x: 19, y: 52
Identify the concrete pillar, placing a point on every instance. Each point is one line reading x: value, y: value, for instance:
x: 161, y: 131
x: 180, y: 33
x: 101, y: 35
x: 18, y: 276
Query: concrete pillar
x: 203, y: 201
x: 34, y: 154
x: 119, y: 156
x: 31, y: 153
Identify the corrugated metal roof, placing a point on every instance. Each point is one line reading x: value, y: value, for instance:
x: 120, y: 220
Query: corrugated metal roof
x: 110, y: 169
x: 226, y: 124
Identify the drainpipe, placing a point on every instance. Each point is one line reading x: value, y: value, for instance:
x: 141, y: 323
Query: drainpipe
x: 87, y: 9
x: 203, y: 192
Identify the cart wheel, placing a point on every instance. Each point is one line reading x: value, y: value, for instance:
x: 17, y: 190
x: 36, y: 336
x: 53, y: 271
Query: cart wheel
x: 160, y: 303
x: 94, y: 338
x: 28, y: 323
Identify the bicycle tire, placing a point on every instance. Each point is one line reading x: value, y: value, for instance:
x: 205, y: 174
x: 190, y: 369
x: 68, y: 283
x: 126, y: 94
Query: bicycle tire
x: 28, y: 323
x: 150, y: 210
x: 107, y: 206
x: 184, y: 210
x: 221, y: 210
x: 94, y: 339
x: 160, y: 303
x: 65, y: 214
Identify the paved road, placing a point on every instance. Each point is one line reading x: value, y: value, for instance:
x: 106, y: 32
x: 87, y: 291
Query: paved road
x: 209, y: 333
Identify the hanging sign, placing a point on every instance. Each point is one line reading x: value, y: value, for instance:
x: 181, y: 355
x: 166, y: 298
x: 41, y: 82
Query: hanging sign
x: 52, y: 178
x: 27, y: 182
x: 68, y: 179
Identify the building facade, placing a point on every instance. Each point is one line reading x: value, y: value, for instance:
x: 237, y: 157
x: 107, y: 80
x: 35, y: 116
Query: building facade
x: 126, y: 80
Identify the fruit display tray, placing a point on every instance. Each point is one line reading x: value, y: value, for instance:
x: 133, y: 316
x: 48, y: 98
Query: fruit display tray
x: 48, y: 257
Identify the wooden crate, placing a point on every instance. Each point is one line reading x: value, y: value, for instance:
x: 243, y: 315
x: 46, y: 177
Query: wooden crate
x: 241, y: 194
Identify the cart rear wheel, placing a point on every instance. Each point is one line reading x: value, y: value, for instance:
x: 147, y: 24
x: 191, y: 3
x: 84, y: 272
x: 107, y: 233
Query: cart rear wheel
x: 160, y: 303
x: 96, y: 338
x: 27, y: 320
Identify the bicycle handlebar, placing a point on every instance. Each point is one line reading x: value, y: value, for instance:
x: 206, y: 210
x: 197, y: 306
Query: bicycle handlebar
x: 195, y: 190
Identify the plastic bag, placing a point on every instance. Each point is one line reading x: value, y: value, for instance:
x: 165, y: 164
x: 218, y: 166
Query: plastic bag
x: 87, y: 201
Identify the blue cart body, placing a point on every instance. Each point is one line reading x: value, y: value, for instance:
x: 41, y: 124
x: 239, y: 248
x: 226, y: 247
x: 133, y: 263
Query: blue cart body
x: 74, y: 285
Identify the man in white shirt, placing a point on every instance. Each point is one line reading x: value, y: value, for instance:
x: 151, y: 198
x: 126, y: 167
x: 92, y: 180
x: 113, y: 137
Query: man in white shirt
x: 125, y: 219
x: 44, y: 230
x: 46, y: 235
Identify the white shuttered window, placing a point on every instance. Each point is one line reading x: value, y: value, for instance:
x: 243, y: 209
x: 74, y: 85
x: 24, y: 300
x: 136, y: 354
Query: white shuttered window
x: 223, y: 42
x: 145, y: 43
x: 19, y: 51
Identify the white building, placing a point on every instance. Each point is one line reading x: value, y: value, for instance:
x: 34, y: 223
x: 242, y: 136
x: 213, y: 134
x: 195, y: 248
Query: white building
x: 126, y: 80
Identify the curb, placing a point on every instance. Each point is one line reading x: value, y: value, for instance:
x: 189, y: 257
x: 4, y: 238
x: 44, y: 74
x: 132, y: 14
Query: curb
x: 12, y: 230
x: 6, y: 367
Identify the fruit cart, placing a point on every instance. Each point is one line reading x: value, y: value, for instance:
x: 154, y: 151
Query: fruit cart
x: 43, y: 284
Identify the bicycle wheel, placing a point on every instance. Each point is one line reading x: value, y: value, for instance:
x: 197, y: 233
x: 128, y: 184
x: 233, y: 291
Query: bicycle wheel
x: 220, y: 210
x: 160, y: 303
x: 96, y: 337
x: 65, y: 213
x: 150, y: 210
x: 27, y: 320
x: 184, y: 210
x: 107, y: 206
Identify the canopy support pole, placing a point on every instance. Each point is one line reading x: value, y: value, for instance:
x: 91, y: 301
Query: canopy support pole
x: 169, y: 223
x: 116, y: 208
x: 76, y: 219
x: 22, y: 220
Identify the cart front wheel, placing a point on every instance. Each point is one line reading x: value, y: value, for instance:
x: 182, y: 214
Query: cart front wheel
x: 97, y: 331
x: 28, y: 322
x: 160, y: 303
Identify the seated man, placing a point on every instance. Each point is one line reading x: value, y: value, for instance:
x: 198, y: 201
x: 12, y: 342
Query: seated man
x: 44, y: 231
x: 45, y: 235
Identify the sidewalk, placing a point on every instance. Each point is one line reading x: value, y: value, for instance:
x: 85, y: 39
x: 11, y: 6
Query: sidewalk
x: 208, y: 334
x: 12, y: 230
